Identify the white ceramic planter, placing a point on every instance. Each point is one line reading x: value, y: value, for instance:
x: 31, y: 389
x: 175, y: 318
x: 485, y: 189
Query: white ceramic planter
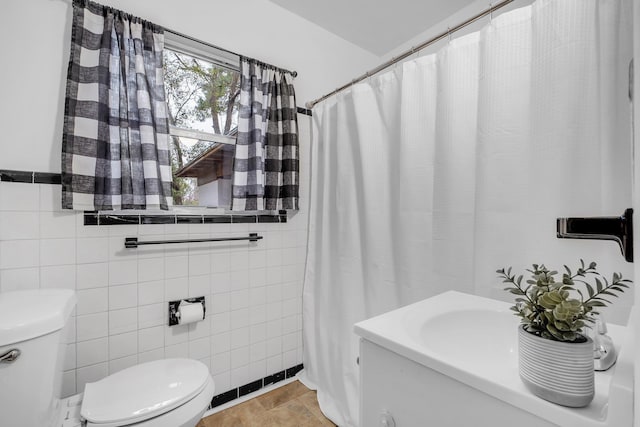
x: 559, y: 372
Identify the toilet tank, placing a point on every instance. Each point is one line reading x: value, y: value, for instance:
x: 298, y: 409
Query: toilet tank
x: 33, y: 323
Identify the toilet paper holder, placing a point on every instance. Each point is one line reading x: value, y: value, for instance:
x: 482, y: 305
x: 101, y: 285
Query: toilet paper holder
x: 174, y: 309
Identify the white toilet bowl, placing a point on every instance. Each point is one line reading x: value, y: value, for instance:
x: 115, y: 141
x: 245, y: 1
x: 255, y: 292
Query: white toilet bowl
x: 162, y: 393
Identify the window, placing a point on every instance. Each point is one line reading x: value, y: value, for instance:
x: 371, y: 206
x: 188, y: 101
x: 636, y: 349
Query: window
x: 202, y: 88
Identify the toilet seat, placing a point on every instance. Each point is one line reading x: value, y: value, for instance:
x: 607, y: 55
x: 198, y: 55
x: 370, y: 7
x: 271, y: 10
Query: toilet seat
x: 142, y: 392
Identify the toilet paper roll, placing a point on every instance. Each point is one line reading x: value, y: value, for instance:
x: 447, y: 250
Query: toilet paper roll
x: 190, y: 312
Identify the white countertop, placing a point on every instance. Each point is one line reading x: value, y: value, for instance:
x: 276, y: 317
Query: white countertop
x: 486, y: 358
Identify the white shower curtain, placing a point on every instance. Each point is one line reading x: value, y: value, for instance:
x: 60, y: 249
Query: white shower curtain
x: 435, y: 174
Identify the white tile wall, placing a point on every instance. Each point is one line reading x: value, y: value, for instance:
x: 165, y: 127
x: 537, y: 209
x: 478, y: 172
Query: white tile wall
x: 121, y: 321
x: 253, y: 290
x: 123, y: 345
x: 92, y: 352
x: 92, y: 326
x: 19, y: 225
x: 92, y: 300
x: 88, y: 374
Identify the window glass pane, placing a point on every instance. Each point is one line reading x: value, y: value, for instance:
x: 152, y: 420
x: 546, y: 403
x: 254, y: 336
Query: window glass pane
x: 203, y: 97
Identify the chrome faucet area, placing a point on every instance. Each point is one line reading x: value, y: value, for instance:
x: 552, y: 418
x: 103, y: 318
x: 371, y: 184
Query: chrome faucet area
x: 618, y: 229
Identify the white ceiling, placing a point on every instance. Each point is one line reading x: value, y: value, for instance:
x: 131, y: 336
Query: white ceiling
x: 374, y: 25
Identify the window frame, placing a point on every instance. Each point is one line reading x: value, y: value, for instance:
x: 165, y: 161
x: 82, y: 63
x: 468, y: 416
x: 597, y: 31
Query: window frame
x: 220, y: 58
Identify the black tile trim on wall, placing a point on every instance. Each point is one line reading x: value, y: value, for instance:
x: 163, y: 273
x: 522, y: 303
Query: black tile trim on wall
x: 253, y: 386
x: 95, y: 218
x: 304, y: 111
x: 30, y: 177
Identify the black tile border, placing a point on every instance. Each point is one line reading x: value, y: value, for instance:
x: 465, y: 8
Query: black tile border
x: 156, y: 219
x: 216, y: 219
x: 304, y: 111
x: 244, y: 219
x: 16, y: 176
x: 29, y: 177
x: 95, y: 218
x: 223, y: 398
x: 268, y: 218
x: 291, y: 372
x: 118, y: 219
x: 90, y: 218
x: 277, y: 377
x: 253, y: 386
x: 250, y: 388
x: 47, y: 178
x: 189, y: 219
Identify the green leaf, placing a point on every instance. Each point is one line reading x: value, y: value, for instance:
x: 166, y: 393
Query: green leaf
x: 589, y: 289
x: 598, y: 285
x: 595, y: 303
x: 609, y: 293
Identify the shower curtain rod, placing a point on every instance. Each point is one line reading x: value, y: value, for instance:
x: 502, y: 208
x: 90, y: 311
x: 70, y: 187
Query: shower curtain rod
x: 414, y: 49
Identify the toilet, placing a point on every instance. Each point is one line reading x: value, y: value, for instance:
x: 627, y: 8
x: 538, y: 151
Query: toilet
x: 162, y: 393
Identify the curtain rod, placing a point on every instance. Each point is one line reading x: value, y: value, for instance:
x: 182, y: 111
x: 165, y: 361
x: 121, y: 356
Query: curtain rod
x: 293, y: 73
x: 413, y: 50
x: 83, y: 3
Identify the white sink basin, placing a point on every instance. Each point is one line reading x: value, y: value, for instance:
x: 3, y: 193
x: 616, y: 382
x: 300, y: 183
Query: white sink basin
x: 470, y: 336
x: 473, y: 340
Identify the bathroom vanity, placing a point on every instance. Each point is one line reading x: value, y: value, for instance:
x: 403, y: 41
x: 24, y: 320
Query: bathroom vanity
x: 452, y: 360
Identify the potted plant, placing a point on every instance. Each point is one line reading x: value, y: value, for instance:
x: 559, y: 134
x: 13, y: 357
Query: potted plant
x: 555, y: 354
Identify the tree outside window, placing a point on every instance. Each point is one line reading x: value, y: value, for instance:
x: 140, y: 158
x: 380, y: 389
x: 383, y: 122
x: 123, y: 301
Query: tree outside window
x: 201, y: 96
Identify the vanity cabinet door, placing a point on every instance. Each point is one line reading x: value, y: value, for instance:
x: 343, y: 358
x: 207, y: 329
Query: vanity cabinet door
x: 392, y: 386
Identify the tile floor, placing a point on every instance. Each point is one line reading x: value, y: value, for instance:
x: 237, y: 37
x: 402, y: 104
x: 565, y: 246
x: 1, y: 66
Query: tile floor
x: 292, y: 405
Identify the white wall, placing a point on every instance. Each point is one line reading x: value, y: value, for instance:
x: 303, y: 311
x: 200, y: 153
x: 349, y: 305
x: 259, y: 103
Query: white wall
x: 215, y: 193
x: 208, y: 193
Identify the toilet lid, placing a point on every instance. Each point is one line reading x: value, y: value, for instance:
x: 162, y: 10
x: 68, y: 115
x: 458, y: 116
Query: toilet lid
x: 143, y: 391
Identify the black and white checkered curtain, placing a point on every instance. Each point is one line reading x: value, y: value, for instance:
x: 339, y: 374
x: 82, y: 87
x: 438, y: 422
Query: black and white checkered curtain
x: 115, y: 150
x: 266, y: 165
